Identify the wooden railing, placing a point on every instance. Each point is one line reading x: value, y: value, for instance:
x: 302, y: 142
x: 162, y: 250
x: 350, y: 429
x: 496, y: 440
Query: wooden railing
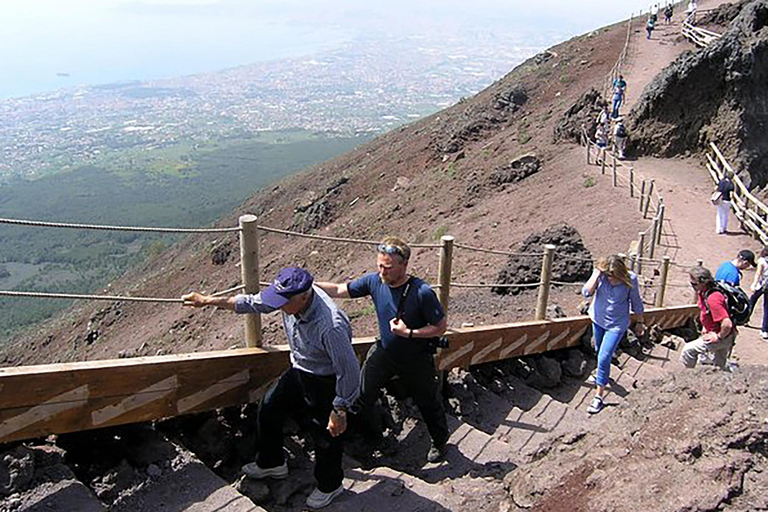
x: 752, y: 213
x: 41, y: 400
x: 698, y: 36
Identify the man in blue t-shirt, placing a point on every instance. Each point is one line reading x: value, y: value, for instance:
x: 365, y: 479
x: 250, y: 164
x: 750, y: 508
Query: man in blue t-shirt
x: 730, y: 271
x: 409, y: 316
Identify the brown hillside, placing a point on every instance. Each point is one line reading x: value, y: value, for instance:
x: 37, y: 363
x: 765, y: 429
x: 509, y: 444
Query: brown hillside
x: 419, y: 181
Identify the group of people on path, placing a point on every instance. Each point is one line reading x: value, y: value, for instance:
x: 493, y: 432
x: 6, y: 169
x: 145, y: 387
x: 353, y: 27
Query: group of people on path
x: 610, y: 126
x: 653, y: 17
x: 615, y: 295
x: 325, y: 384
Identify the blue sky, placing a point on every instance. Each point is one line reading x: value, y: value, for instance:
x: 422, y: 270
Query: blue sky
x: 107, y: 40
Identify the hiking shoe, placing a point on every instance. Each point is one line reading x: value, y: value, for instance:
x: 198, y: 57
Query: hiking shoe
x: 320, y: 499
x: 252, y: 470
x: 436, y: 453
x: 764, y: 335
x: 596, y: 406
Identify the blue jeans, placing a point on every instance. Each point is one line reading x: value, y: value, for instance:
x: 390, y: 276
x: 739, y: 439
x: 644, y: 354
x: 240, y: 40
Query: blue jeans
x: 616, y: 104
x: 605, y: 345
x: 753, y: 302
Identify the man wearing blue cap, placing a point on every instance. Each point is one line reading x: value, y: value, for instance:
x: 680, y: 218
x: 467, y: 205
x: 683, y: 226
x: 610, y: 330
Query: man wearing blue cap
x: 322, y: 383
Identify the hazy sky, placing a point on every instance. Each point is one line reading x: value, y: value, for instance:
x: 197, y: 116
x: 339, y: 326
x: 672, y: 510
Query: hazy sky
x: 97, y: 41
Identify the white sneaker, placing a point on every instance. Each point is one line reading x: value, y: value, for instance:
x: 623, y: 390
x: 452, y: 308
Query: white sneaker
x: 764, y: 335
x: 252, y: 470
x: 319, y: 499
x: 592, y: 379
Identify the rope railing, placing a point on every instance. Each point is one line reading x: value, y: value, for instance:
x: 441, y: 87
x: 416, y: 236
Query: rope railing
x: 38, y: 223
x: 122, y: 298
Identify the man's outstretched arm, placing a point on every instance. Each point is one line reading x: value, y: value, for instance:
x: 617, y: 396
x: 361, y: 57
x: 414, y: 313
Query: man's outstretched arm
x: 334, y: 290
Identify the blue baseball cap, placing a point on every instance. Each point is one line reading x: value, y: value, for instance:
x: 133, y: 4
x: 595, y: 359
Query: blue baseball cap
x: 290, y: 281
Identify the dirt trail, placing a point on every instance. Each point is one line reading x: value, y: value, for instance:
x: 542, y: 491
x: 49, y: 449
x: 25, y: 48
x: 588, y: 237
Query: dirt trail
x: 685, y: 185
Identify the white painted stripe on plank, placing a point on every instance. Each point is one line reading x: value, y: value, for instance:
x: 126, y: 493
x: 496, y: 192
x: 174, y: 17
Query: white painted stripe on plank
x: 513, y: 346
x: 449, y: 359
x: 487, y: 350
x: 72, y: 399
x: 538, y: 341
x: 147, y: 395
x: 551, y: 345
x: 219, y: 388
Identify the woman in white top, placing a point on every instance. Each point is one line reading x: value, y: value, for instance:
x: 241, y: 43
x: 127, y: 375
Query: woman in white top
x: 759, y: 288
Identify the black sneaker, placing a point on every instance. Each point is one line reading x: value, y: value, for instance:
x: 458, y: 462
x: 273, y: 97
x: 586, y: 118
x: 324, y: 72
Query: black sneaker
x: 436, y: 453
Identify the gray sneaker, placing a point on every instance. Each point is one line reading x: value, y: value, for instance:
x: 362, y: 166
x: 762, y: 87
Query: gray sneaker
x: 596, y: 406
x: 252, y: 470
x: 436, y: 453
x: 319, y: 499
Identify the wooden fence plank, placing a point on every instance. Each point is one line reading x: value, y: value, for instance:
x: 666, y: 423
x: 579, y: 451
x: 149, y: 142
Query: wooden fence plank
x: 40, y: 400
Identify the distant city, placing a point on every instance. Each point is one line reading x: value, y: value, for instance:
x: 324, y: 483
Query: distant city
x: 366, y: 87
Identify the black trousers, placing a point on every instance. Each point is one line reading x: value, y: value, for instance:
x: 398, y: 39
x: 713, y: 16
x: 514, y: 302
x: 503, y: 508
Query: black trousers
x: 309, y: 398
x: 421, y: 382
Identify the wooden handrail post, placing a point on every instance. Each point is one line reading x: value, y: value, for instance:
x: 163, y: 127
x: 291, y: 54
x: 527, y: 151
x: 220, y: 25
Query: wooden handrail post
x: 614, y: 171
x: 652, y: 249
x: 642, y: 193
x: 640, y: 250
x: 633, y: 261
x: 662, y: 207
x: 602, y: 160
x: 586, y: 139
x: 648, y: 198
x: 631, y: 182
x: 444, y: 270
x: 249, y: 270
x: 546, y: 278
x: 663, y: 284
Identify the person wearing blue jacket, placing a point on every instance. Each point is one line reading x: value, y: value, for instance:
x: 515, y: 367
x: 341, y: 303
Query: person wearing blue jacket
x: 615, y: 291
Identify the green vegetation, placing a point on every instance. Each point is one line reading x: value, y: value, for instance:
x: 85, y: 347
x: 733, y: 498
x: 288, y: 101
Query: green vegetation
x: 589, y: 182
x: 180, y: 186
x: 440, y: 232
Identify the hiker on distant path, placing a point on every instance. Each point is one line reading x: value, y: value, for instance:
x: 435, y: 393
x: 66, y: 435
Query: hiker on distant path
x: 718, y: 331
x: 411, y: 320
x: 730, y: 271
x: 604, y: 118
x: 691, y: 10
x: 601, y: 137
x: 758, y: 288
x: 619, y: 95
x: 649, y: 26
x: 725, y: 187
x: 620, y: 138
x: 321, y: 385
x: 668, y: 12
x: 615, y: 290
x: 654, y: 13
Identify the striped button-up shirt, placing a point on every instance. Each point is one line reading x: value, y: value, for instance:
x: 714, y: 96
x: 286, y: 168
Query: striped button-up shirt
x: 320, y: 339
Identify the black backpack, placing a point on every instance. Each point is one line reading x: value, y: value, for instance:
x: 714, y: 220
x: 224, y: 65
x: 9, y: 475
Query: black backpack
x: 739, y: 308
x: 621, y: 131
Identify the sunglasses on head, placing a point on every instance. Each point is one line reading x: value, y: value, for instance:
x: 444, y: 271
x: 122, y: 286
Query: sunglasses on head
x: 390, y: 249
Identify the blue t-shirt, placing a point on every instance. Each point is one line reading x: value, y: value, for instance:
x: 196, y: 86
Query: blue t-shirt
x: 729, y: 273
x: 611, y: 305
x: 421, y: 308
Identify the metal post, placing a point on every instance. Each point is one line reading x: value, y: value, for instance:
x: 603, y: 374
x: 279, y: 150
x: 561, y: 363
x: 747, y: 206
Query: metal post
x: 640, y: 250
x: 662, y: 208
x: 586, y: 139
x: 663, y: 284
x: 648, y: 199
x: 546, y: 277
x: 642, y: 193
x: 444, y: 270
x: 631, y: 182
x: 614, y: 170
x: 249, y: 270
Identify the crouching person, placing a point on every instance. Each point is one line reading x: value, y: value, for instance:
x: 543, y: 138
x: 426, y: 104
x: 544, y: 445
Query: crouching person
x: 718, y: 331
x: 322, y: 383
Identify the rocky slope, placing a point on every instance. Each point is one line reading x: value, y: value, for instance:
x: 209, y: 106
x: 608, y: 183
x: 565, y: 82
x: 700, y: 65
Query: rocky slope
x: 713, y: 95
